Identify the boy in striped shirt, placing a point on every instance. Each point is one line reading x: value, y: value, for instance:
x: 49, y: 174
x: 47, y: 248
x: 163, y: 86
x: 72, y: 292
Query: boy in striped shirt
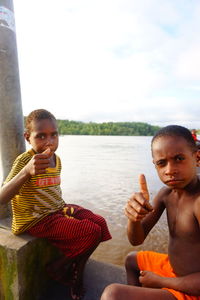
x: 33, y: 186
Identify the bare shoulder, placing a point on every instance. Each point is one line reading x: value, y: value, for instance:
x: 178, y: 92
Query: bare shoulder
x: 162, y: 196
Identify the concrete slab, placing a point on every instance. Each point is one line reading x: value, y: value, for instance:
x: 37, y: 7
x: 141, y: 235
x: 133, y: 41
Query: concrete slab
x: 23, y: 276
x: 22, y: 266
x: 97, y: 276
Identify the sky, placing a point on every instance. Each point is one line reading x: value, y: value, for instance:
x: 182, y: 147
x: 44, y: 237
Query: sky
x: 111, y: 60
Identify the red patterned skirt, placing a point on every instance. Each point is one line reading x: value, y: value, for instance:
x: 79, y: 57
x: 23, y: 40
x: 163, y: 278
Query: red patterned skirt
x: 74, y: 230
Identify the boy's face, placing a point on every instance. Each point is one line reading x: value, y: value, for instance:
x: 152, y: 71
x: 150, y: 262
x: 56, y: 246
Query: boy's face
x: 43, y: 135
x: 175, y: 161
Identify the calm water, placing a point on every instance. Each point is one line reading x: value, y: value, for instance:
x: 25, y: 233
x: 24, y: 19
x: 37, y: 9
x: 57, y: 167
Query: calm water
x: 100, y: 173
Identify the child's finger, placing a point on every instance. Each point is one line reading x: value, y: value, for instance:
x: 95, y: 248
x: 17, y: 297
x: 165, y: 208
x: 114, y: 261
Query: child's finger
x: 141, y: 273
x: 144, y: 191
x: 47, y: 152
x: 143, y: 186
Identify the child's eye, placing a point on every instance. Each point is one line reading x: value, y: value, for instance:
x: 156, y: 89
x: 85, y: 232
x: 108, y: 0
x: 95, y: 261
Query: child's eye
x: 160, y: 163
x: 55, y: 134
x: 179, y: 158
x: 41, y: 136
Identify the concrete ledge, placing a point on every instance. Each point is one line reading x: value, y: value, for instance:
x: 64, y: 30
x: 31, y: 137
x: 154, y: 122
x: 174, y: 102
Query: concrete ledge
x: 96, y: 277
x: 22, y: 266
x: 23, y: 276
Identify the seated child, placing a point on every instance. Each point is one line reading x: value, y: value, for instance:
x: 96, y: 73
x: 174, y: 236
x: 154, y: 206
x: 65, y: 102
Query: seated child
x: 175, y: 275
x: 33, y: 186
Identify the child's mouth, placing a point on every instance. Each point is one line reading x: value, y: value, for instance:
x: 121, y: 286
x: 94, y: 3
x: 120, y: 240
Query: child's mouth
x: 173, y: 182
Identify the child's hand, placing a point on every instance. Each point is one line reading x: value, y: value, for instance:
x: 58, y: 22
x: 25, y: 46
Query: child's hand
x: 39, y: 163
x: 150, y: 279
x: 138, y: 205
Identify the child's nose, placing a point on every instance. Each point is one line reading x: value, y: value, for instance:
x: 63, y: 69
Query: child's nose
x: 49, y: 141
x: 170, y: 169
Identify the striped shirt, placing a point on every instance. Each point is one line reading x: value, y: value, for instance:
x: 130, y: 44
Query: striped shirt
x: 38, y: 197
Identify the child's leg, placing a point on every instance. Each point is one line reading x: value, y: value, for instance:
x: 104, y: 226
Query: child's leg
x: 79, y: 265
x: 73, y: 237
x: 122, y: 291
x: 134, y: 291
x: 77, y: 239
x: 60, y: 270
x: 132, y: 270
x: 81, y: 213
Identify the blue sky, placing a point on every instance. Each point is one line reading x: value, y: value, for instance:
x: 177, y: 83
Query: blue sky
x: 111, y: 60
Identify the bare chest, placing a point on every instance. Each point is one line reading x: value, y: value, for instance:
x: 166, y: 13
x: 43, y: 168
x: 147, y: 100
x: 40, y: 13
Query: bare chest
x: 182, y: 222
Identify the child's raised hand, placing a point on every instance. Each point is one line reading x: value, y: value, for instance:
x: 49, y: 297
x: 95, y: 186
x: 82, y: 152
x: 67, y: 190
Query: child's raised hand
x: 138, y: 205
x: 39, y: 163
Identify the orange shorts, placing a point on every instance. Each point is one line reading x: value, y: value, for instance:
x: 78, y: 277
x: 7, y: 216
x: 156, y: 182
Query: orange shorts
x: 159, y: 264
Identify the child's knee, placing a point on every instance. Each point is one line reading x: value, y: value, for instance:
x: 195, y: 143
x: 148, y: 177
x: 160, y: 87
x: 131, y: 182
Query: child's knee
x: 96, y: 235
x: 102, y: 221
x: 131, y: 261
x: 111, y: 292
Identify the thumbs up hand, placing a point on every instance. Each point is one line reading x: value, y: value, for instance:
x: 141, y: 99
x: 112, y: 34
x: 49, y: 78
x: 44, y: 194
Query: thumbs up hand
x: 138, y: 205
x: 39, y: 163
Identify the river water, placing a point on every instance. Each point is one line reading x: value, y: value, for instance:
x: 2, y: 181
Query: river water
x: 100, y: 173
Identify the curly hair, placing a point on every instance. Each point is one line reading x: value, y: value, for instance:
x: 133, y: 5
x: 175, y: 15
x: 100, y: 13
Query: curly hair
x: 176, y: 131
x: 37, y: 115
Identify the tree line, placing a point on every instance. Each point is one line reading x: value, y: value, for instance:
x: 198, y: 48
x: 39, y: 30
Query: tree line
x: 106, y: 128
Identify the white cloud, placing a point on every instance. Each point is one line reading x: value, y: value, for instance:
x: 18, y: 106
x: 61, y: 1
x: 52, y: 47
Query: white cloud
x: 88, y: 60
x: 188, y: 64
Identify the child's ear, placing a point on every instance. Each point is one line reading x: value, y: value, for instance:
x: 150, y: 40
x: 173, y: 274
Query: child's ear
x: 27, y: 136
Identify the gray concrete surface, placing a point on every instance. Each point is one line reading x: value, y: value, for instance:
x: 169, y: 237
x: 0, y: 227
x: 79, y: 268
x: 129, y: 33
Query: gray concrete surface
x: 97, y: 276
x: 22, y: 266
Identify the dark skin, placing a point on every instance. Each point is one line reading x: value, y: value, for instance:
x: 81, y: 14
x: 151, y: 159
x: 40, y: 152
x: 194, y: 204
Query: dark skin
x: 176, y: 163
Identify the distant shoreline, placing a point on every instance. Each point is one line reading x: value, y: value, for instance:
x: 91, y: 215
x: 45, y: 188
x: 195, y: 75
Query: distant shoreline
x: 67, y: 127
x: 70, y: 127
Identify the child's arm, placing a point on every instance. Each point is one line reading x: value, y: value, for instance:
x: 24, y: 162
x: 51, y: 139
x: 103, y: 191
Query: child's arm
x: 11, y: 188
x: 141, y: 215
x: 37, y: 165
x: 189, y: 284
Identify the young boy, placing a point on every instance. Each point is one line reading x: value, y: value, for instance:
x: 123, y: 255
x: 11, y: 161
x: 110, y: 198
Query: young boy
x: 33, y: 185
x: 153, y: 275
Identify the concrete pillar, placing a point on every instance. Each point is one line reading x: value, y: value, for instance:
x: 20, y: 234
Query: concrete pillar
x: 11, y: 117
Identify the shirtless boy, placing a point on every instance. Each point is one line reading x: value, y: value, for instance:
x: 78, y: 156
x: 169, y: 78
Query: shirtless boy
x: 175, y: 275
